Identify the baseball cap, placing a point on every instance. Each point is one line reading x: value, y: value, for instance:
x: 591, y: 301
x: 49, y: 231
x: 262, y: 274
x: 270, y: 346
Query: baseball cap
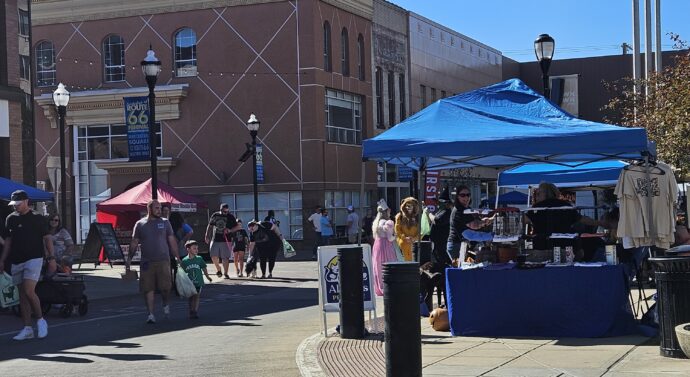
x: 224, y: 205
x: 18, y: 196
x: 350, y: 208
x: 190, y: 243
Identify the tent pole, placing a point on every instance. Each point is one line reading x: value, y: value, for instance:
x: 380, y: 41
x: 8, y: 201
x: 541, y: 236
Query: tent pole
x: 498, y: 192
x: 361, y: 203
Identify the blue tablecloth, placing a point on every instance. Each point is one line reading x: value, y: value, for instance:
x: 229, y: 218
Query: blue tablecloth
x: 583, y: 302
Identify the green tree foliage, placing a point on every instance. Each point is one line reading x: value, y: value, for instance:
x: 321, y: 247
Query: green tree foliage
x: 664, y: 112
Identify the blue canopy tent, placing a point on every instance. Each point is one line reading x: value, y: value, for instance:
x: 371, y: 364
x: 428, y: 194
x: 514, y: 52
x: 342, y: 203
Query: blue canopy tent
x: 35, y: 195
x: 594, y: 174
x: 501, y: 125
x: 512, y: 197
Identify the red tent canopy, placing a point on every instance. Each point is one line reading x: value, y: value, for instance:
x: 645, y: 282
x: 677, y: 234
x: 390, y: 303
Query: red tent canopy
x: 136, y: 198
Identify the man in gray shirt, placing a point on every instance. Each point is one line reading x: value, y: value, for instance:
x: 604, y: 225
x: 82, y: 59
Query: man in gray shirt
x: 157, y: 242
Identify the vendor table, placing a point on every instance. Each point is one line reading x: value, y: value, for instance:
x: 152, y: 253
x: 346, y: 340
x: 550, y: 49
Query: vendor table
x: 583, y: 302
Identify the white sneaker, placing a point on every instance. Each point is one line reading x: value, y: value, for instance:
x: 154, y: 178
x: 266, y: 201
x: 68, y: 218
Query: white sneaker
x: 151, y: 319
x: 26, y: 333
x: 166, y: 310
x: 42, y: 326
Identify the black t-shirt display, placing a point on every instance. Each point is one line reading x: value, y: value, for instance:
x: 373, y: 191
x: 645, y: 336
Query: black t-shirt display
x: 553, y: 221
x: 220, y: 222
x: 26, y: 232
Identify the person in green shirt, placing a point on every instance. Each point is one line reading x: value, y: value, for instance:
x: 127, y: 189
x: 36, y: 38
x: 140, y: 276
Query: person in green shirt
x: 194, y: 265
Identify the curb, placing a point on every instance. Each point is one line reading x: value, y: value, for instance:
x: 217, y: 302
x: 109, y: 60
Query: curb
x: 307, y: 357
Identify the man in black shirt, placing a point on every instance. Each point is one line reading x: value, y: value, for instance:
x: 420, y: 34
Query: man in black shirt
x: 26, y: 237
x: 219, y: 231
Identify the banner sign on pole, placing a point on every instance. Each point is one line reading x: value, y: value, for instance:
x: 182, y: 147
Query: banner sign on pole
x: 137, y: 121
x: 431, y: 188
x: 259, y: 163
x: 405, y: 174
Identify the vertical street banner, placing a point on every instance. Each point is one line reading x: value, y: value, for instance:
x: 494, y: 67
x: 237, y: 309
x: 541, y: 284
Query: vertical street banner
x: 564, y: 92
x: 431, y: 188
x: 259, y: 163
x: 405, y: 174
x: 137, y: 121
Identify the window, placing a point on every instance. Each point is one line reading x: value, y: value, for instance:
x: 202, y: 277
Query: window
x: 433, y: 95
x: 422, y: 95
x: 185, y: 53
x: 23, y: 23
x: 114, y: 58
x: 360, y: 58
x: 24, y: 67
x: 344, y: 53
x: 443, y: 94
x: 343, y: 117
x: 287, y: 207
x: 327, y: 62
x: 401, y: 88
x: 45, y: 64
x: 336, y: 203
x: 391, y: 99
x: 98, y: 143
x: 379, y: 98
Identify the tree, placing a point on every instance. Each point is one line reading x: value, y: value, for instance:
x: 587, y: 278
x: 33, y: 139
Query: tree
x: 664, y: 112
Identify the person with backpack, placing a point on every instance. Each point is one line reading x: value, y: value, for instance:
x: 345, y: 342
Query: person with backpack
x: 265, y: 238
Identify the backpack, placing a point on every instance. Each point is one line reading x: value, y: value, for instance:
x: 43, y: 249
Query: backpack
x: 264, y: 237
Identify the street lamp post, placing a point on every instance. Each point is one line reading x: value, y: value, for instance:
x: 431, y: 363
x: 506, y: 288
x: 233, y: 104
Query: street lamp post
x: 544, y: 47
x: 151, y: 67
x: 61, y: 99
x: 253, y: 126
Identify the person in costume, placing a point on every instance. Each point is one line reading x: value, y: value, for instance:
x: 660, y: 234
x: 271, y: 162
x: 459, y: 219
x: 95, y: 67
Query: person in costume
x: 407, y: 226
x: 383, y: 251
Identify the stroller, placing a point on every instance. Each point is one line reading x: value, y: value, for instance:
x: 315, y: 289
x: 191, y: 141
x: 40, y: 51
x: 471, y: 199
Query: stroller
x: 65, y: 290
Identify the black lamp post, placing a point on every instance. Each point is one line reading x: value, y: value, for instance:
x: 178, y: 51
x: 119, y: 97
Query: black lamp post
x: 61, y: 99
x: 253, y: 126
x: 151, y: 67
x: 544, y: 47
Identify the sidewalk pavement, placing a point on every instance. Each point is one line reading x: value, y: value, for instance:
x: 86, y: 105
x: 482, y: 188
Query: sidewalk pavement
x: 445, y: 355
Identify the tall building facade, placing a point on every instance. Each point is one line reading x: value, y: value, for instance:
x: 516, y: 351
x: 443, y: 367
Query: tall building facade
x: 302, y: 67
x: 16, y: 119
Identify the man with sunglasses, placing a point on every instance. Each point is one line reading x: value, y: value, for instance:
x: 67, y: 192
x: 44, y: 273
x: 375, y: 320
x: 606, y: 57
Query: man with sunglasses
x: 27, y: 243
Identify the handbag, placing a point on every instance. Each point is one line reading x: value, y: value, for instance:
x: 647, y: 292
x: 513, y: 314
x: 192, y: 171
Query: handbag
x: 288, y: 250
x: 185, y: 286
x: 9, y: 294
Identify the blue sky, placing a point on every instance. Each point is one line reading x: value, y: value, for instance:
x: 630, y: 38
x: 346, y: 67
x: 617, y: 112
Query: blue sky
x: 580, y: 27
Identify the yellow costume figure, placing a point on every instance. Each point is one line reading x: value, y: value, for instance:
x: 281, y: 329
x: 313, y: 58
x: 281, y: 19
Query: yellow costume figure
x: 407, y: 226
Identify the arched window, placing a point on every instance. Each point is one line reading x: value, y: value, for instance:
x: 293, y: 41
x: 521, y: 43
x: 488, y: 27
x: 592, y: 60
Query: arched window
x: 114, y: 58
x: 327, y: 62
x: 185, y: 53
x: 360, y: 58
x: 45, y: 64
x: 344, y: 53
x: 379, y: 98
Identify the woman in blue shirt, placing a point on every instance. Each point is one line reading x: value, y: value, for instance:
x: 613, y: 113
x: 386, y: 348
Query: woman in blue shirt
x: 326, y: 228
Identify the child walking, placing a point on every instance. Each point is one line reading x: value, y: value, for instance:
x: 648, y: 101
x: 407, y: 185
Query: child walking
x: 240, y: 245
x: 194, y: 265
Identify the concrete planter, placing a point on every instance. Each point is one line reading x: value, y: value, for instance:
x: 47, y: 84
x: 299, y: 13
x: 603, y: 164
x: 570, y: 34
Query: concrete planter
x: 683, y: 335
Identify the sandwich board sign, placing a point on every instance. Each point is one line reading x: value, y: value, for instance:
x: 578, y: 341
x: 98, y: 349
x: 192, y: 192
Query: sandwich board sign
x: 329, y: 290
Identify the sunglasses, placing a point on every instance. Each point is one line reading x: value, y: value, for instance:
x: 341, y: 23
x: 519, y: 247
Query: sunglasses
x: 462, y: 195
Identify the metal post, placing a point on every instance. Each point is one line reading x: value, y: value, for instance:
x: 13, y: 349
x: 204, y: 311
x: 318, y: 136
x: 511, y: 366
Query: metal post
x: 255, y: 181
x: 403, y: 334
x: 151, y: 81
x: 351, y: 292
x: 62, y: 112
x: 657, y: 28
x: 545, y: 82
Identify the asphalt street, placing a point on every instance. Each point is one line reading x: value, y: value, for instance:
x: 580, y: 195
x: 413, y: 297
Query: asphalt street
x: 247, y: 328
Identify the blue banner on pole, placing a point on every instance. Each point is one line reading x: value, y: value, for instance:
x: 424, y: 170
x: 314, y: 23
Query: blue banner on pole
x: 137, y: 121
x: 404, y: 174
x: 259, y: 163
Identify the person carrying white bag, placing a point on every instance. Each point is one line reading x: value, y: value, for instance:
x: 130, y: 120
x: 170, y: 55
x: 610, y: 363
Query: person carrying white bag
x: 190, y: 282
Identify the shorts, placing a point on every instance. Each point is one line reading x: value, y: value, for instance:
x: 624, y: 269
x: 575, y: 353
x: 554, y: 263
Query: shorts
x: 29, y: 270
x: 220, y: 249
x: 155, y: 275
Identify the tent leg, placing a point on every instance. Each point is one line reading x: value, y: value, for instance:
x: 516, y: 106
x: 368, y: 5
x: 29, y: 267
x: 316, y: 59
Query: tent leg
x: 498, y: 193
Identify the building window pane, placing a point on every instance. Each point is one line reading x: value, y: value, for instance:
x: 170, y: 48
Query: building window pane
x: 433, y: 95
x: 344, y: 53
x: 391, y: 99
x: 422, y: 95
x: 401, y: 89
x: 361, y: 53
x: 443, y: 94
x: 327, y: 62
x: 45, y: 64
x: 23, y: 23
x: 24, y: 67
x: 286, y: 205
x: 185, y: 53
x: 379, y: 98
x: 343, y: 117
x: 114, y: 58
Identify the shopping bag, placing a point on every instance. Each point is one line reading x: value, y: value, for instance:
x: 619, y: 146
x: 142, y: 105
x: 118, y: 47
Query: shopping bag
x: 9, y: 294
x: 288, y: 250
x: 185, y: 286
x: 425, y: 223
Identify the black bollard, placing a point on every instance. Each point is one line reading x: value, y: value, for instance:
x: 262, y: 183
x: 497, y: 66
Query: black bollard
x: 403, y: 331
x: 351, y: 293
